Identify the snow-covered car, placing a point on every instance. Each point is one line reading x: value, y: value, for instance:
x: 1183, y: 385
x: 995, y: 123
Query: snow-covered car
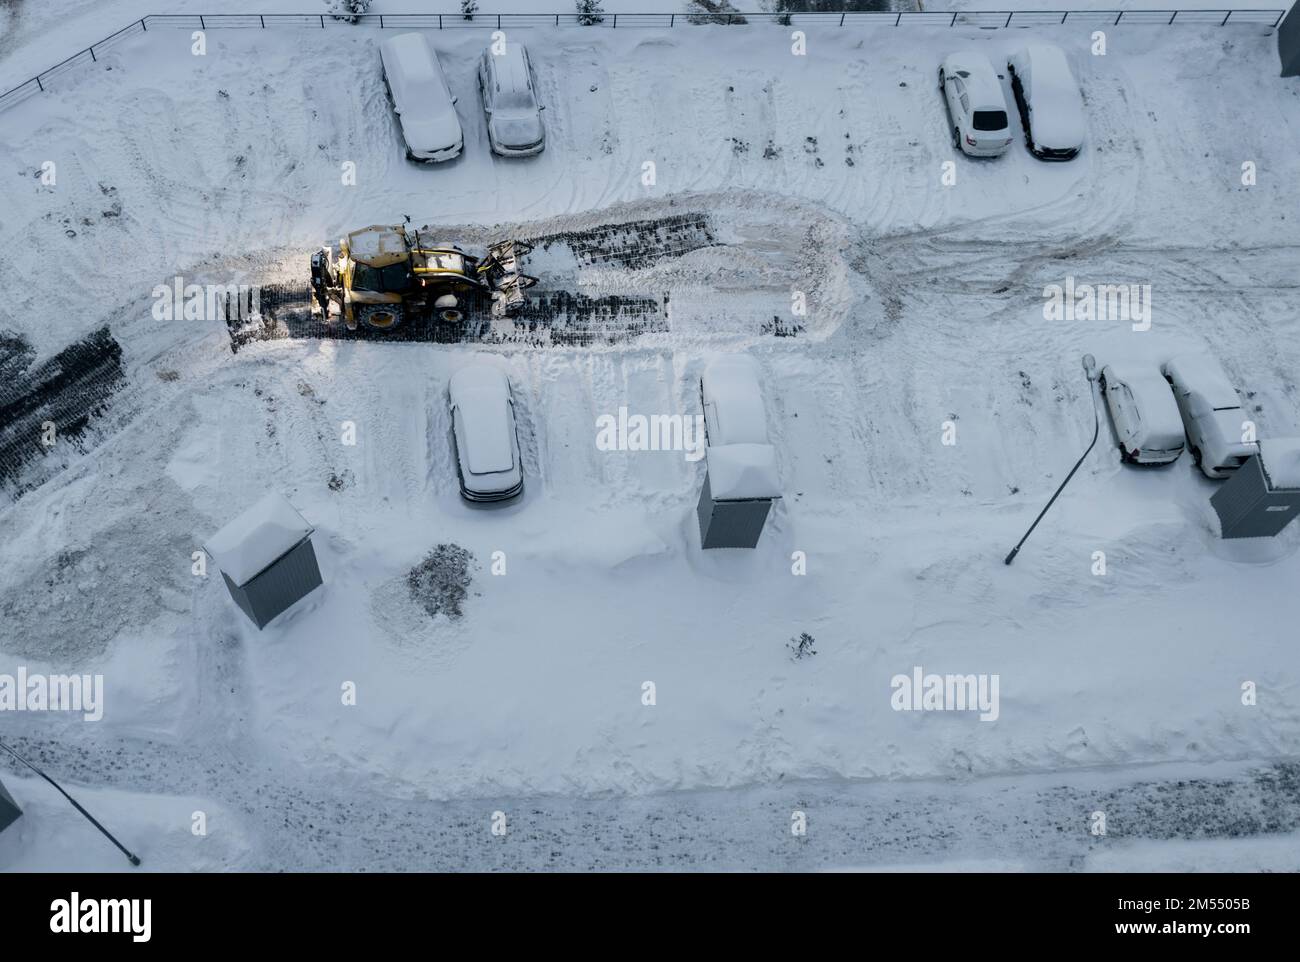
x: 421, y: 98
x: 508, y: 87
x: 1147, y: 423
x: 733, y: 402
x: 977, y: 107
x: 484, y: 435
x: 1212, y: 414
x: 1051, y: 107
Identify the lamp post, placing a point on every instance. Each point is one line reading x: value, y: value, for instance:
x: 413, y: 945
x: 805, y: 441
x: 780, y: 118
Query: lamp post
x: 1090, y: 369
x: 131, y: 857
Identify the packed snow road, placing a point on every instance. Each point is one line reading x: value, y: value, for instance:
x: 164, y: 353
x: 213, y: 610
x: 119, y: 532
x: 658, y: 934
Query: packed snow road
x: 258, y: 817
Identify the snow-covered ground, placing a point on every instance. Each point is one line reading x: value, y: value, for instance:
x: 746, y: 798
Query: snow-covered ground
x: 821, y: 174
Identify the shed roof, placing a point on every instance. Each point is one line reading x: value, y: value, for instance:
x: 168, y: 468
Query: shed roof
x: 1280, y: 459
x: 743, y: 472
x: 257, y: 539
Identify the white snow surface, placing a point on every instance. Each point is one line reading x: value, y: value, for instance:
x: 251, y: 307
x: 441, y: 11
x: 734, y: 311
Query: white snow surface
x: 258, y: 538
x: 820, y: 174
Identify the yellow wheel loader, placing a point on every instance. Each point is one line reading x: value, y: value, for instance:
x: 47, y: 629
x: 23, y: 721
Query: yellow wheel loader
x: 381, y: 276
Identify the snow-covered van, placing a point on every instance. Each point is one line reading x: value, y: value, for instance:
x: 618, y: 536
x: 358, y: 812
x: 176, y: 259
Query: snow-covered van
x: 421, y: 98
x: 1212, y: 414
x: 1051, y: 107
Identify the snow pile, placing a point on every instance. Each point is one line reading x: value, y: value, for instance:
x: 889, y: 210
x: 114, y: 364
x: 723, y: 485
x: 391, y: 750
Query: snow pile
x: 258, y: 538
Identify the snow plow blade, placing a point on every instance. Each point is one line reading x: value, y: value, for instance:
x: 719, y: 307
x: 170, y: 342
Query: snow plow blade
x: 500, y: 269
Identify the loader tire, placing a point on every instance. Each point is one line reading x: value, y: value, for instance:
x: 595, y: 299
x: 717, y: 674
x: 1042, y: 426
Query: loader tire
x: 380, y: 317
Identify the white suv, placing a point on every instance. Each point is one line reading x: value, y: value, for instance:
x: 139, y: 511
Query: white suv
x: 508, y: 86
x: 1212, y: 414
x: 976, y: 105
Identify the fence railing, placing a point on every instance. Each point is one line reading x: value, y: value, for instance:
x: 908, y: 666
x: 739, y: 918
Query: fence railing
x: 982, y: 19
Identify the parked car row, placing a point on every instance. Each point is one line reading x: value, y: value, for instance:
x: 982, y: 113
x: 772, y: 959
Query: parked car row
x: 426, y: 107
x: 1045, y: 91
x: 1190, y: 396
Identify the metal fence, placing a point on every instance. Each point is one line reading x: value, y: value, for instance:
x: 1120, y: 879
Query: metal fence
x: 982, y: 19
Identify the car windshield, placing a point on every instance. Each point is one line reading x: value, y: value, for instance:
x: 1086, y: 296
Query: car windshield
x: 390, y: 278
x: 515, y: 99
x: 443, y: 261
x: 990, y: 120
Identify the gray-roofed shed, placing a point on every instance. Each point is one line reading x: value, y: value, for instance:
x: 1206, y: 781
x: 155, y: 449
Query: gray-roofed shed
x: 266, y: 558
x: 1261, y: 497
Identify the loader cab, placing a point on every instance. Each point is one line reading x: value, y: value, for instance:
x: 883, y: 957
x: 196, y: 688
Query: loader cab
x: 393, y: 279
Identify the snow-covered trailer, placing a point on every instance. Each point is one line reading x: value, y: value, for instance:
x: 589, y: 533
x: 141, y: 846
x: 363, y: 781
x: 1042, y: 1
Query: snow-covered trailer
x: 1262, y: 496
x: 740, y: 480
x: 9, y: 810
x: 266, y: 558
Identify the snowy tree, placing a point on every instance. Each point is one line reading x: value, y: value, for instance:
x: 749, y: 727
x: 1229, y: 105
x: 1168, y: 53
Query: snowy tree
x: 347, y: 10
x: 468, y: 8
x: 590, y: 12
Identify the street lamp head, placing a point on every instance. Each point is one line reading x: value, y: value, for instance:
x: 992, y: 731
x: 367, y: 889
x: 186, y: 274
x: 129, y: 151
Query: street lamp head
x: 1090, y: 367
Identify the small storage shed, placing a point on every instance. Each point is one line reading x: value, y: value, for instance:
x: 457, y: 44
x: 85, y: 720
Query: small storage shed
x: 1263, y: 495
x: 740, y: 480
x: 9, y: 810
x: 266, y: 558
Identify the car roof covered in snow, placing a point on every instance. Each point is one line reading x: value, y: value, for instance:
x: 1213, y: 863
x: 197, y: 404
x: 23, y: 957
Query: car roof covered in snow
x: 733, y: 402
x: 258, y: 538
x: 410, y: 56
x: 1045, y: 73
x: 415, y: 76
x: 980, y: 78
x: 1152, y: 395
x: 481, y: 395
x: 1203, y: 375
x: 742, y: 472
x: 511, y: 73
